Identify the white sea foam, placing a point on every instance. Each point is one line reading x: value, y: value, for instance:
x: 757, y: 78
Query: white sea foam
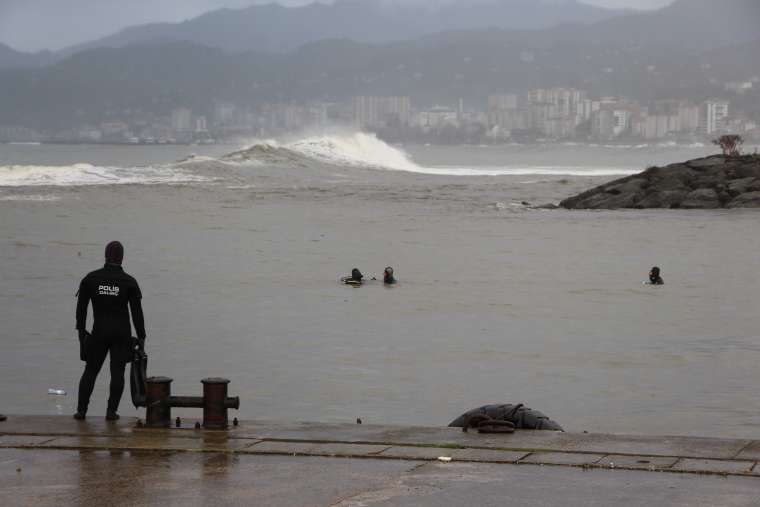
x: 86, y: 174
x: 30, y: 197
x: 357, y: 149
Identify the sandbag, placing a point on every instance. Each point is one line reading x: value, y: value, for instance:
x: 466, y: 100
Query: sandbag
x: 519, y: 415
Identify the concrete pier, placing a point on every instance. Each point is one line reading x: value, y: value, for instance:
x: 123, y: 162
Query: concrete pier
x: 59, y: 461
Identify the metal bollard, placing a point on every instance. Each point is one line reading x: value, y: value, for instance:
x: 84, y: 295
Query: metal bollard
x: 158, y: 412
x: 216, y: 402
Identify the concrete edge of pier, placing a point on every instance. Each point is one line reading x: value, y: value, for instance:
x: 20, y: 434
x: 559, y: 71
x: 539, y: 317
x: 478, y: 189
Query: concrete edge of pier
x: 661, y: 454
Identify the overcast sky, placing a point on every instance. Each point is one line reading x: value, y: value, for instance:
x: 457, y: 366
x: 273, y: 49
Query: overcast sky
x: 31, y: 25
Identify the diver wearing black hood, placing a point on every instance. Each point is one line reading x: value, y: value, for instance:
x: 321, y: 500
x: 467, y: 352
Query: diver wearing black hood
x: 114, y: 294
x: 654, y: 277
x: 388, y: 278
x: 355, y: 278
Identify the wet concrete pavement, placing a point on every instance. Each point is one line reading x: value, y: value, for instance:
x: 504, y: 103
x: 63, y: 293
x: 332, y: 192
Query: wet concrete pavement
x: 58, y: 461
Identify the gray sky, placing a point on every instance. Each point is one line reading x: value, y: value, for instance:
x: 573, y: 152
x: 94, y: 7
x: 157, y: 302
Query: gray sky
x: 31, y: 25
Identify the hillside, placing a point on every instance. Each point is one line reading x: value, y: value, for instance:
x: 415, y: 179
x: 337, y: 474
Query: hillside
x: 9, y: 57
x: 686, y: 24
x: 275, y: 28
x: 443, y: 68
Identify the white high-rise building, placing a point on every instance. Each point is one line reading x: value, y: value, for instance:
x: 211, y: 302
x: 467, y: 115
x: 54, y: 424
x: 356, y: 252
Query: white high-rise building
x: 714, y: 116
x: 182, y: 120
x: 381, y: 111
x: 557, y: 111
x: 621, y: 122
x: 201, y: 125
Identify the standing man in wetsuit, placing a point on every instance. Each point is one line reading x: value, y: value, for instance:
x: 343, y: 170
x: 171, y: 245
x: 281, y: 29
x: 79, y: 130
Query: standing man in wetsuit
x: 113, y: 294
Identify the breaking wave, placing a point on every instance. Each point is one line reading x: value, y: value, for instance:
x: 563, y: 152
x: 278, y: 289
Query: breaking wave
x: 355, y: 149
x: 367, y: 151
x: 86, y: 175
x: 359, y: 149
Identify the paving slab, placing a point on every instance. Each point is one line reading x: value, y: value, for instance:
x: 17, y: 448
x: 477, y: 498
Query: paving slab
x: 348, y: 449
x: 433, y: 453
x: 167, y: 443
x: 66, y: 425
x: 293, y: 448
x: 713, y: 465
x: 488, y: 455
x: 522, y: 439
x: 421, y: 453
x: 751, y: 451
x: 637, y: 462
x: 562, y: 458
x: 22, y: 440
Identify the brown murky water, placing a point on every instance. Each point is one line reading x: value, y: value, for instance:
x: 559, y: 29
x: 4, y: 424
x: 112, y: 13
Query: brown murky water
x: 496, y: 302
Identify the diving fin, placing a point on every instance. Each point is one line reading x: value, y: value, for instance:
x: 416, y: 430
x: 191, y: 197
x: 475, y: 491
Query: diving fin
x: 137, y: 376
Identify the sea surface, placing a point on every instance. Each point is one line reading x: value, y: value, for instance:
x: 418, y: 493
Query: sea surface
x: 239, y: 259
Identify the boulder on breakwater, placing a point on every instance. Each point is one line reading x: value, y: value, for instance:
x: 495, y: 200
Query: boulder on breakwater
x: 706, y: 183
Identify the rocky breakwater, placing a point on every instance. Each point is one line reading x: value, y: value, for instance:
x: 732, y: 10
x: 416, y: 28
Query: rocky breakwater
x: 706, y: 183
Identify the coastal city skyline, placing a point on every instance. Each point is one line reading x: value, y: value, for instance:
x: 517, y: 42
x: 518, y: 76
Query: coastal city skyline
x: 545, y: 114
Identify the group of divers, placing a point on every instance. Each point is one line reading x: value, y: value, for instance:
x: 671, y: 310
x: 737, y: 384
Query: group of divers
x: 356, y: 279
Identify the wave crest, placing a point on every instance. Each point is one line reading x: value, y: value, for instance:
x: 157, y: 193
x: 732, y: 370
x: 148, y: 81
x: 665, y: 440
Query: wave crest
x: 357, y: 149
x: 367, y: 151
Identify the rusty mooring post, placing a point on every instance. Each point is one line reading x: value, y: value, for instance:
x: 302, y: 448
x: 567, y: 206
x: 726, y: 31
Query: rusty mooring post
x: 216, y: 402
x: 158, y: 412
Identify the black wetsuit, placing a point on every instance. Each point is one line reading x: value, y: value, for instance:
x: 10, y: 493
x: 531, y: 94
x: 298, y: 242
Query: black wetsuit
x: 113, y: 294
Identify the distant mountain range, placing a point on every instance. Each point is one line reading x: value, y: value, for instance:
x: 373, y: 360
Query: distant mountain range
x: 274, y: 28
x: 685, y: 24
x: 638, y: 55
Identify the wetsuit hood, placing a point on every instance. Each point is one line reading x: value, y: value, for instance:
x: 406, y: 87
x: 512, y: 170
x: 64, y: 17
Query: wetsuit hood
x: 654, y: 276
x: 356, y: 275
x: 114, y: 253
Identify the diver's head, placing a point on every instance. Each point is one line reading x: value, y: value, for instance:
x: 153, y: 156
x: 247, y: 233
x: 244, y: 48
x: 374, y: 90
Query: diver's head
x: 356, y: 274
x: 388, y: 275
x: 114, y: 253
x: 654, y: 274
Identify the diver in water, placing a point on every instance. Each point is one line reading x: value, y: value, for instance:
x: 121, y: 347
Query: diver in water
x: 388, y: 278
x: 355, y: 278
x: 654, y: 277
x: 114, y: 295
